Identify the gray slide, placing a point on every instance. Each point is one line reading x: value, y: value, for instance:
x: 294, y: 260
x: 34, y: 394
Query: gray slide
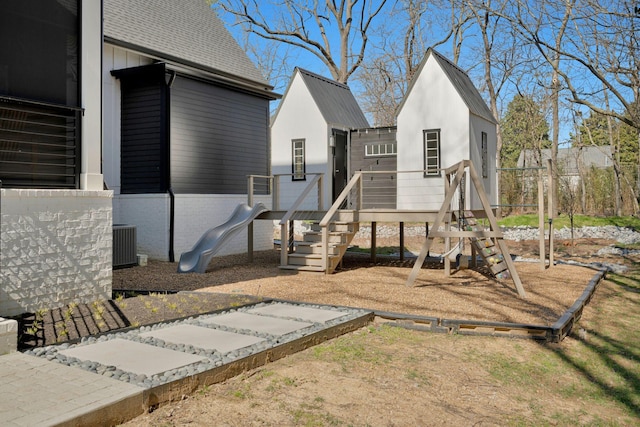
x: 198, y: 258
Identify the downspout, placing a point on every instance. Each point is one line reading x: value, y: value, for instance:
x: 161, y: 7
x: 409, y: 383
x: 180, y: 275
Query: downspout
x: 172, y: 209
x: 172, y: 196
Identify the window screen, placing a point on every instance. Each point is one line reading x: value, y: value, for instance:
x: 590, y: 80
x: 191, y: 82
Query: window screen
x: 298, y: 165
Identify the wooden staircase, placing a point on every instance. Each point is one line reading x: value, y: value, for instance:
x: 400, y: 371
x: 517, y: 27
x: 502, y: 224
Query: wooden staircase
x: 307, y: 254
x: 486, y: 247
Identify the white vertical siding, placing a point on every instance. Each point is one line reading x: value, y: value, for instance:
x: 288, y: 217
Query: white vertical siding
x: 299, y: 117
x: 433, y: 103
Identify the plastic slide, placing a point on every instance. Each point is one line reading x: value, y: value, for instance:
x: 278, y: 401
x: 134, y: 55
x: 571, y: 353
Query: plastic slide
x: 198, y: 258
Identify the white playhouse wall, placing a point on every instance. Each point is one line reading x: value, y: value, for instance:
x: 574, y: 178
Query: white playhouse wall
x: 432, y: 103
x: 477, y: 125
x: 299, y: 118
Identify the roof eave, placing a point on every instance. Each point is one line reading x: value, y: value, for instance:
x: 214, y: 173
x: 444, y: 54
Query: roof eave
x: 188, y: 67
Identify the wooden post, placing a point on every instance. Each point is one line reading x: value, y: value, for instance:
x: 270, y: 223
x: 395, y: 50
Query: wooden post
x: 541, y: 220
x: 284, y: 238
x: 373, y: 242
x: 250, y: 227
x: 550, y: 214
x: 401, y: 241
x: 447, y: 248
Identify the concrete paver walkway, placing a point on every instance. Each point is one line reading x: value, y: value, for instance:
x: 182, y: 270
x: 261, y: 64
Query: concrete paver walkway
x: 37, y: 391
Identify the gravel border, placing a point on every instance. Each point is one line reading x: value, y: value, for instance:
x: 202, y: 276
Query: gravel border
x: 213, y: 358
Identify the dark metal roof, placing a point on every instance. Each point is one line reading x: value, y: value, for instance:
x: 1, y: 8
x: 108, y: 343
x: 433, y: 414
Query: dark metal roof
x: 460, y: 81
x: 335, y: 100
x: 186, y: 32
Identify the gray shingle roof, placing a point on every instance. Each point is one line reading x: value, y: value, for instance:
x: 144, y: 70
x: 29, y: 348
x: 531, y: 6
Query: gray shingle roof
x: 187, y: 32
x: 462, y: 83
x: 335, y: 100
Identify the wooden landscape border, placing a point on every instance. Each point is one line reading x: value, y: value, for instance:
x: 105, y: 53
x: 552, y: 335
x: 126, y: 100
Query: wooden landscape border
x: 555, y: 333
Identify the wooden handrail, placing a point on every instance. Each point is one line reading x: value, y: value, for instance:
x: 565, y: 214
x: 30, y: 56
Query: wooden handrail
x: 341, y: 198
x: 287, y: 216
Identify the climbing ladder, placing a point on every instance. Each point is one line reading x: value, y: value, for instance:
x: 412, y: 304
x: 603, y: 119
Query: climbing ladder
x: 486, y: 247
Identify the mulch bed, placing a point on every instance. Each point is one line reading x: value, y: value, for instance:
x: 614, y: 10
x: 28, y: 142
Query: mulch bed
x: 72, y: 322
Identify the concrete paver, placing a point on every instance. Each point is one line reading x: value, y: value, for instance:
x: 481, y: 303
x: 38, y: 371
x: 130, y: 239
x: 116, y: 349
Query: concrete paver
x: 309, y: 314
x: 132, y: 356
x: 205, y: 338
x: 254, y: 322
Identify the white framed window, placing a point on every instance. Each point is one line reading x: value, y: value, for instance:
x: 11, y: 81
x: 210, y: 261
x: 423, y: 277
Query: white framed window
x: 485, y: 155
x: 298, y: 167
x: 382, y: 149
x: 431, y: 152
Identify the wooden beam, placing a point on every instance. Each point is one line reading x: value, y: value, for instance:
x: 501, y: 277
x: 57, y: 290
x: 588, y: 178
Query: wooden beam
x: 436, y: 224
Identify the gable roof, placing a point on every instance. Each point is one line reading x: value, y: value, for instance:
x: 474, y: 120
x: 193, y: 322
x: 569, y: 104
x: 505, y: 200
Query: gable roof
x: 186, y: 32
x: 460, y: 81
x: 334, y: 100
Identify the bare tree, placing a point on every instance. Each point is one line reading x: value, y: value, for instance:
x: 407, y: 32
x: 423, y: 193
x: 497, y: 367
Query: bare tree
x: 336, y: 32
x: 399, y: 48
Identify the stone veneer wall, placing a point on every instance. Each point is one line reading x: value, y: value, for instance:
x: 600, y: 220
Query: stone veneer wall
x: 55, y: 248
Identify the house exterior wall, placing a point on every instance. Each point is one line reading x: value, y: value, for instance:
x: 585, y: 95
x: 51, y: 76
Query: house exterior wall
x: 432, y: 103
x: 197, y: 213
x: 221, y: 133
x: 299, y: 118
x: 150, y: 213
x: 114, y: 58
x: 194, y: 213
x: 56, y: 245
x: 56, y: 248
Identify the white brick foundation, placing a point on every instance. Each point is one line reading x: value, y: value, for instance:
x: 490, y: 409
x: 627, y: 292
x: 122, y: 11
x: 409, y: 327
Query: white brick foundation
x: 56, y: 248
x: 8, y: 336
x: 194, y: 215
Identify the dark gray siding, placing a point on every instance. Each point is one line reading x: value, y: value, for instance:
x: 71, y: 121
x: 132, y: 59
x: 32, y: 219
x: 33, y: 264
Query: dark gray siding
x: 143, y: 138
x: 218, y: 137
x: 379, y: 189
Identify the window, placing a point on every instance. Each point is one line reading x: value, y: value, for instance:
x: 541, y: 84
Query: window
x: 431, y: 152
x: 298, y: 164
x: 39, y: 94
x: 485, y: 160
x: 382, y: 149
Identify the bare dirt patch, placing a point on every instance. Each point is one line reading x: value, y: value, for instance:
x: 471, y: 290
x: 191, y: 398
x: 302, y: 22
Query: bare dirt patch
x: 379, y: 376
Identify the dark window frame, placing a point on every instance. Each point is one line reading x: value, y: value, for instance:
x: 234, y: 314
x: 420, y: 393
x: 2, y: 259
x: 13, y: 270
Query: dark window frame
x: 298, y: 175
x: 40, y: 124
x: 429, y: 170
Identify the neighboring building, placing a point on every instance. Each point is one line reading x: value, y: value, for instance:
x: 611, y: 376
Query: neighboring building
x: 572, y: 161
x: 441, y: 121
x: 55, y: 223
x: 310, y: 135
x: 186, y: 120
